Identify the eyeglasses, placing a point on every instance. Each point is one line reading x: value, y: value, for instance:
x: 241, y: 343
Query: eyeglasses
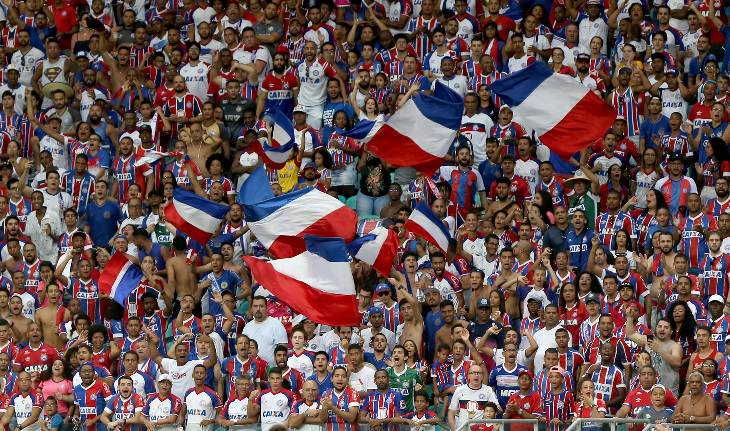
x: 475, y: 372
x: 557, y: 54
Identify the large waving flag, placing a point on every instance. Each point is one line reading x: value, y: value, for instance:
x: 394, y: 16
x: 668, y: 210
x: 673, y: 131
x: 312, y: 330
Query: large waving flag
x: 426, y: 224
x: 317, y: 283
x: 565, y: 115
x: 193, y: 215
x: 144, y: 157
x: 256, y: 188
x: 276, y: 154
x: 280, y: 223
x: 376, y: 248
x: 419, y: 134
x: 119, y: 278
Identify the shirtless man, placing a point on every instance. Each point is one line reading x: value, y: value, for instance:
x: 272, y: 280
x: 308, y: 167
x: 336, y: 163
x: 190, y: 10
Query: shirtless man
x: 201, y: 147
x: 179, y: 272
x: 16, y: 256
x: 448, y: 314
x: 19, y: 322
x: 695, y: 407
x: 478, y: 290
x: 507, y: 280
x: 47, y: 317
x: 410, y: 311
x: 410, y: 265
x: 118, y: 68
x: 503, y: 201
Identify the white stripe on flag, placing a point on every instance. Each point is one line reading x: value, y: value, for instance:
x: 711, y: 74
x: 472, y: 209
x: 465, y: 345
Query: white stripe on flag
x: 317, y: 272
x: 428, y: 135
x: 428, y: 226
x: 289, y: 219
x: 120, y: 276
x: 370, y: 251
x: 565, y: 91
x: 280, y: 136
x: 199, y: 219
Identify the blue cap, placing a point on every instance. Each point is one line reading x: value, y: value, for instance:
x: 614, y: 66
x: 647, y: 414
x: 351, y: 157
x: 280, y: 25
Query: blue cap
x: 626, y: 68
x: 374, y: 310
x: 672, y: 71
x: 156, y: 19
x: 382, y: 287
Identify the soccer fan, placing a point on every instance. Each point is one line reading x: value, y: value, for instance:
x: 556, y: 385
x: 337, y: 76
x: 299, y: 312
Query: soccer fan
x: 163, y: 408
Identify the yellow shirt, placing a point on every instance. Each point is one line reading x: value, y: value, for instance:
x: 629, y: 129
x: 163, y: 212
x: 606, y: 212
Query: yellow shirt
x: 289, y: 175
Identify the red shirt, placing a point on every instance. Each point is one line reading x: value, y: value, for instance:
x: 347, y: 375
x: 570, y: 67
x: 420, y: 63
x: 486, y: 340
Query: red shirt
x: 504, y: 25
x: 65, y: 17
x: 531, y: 403
x: 39, y: 359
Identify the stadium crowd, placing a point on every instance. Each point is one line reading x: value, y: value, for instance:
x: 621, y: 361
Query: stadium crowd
x: 583, y: 288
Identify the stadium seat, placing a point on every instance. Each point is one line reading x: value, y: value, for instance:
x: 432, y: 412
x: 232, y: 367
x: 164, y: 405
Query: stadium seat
x: 352, y: 202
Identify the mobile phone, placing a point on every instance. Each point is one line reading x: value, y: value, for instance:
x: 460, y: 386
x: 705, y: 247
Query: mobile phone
x: 649, y: 337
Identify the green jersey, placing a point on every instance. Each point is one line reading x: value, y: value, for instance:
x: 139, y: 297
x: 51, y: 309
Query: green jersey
x: 405, y: 383
x: 589, y: 204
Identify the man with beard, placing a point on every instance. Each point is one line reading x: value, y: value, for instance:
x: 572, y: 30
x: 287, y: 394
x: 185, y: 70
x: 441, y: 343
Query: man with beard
x: 501, y: 199
x: 232, y: 107
x: 88, y: 92
x: 655, y: 124
x: 267, y: 331
x: 196, y: 73
x: 234, y: 224
x: 208, y: 45
x: 587, y: 76
x: 12, y: 231
x: 107, y: 131
x: 26, y: 57
x: 624, y: 99
x: 311, y: 178
x: 663, y: 264
x: 465, y: 183
x: 293, y: 44
x: 674, y: 95
x: 314, y: 74
x: 37, y: 356
x: 183, y: 109
x: 410, y: 75
x: 719, y: 205
x: 278, y: 91
x: 102, y: 216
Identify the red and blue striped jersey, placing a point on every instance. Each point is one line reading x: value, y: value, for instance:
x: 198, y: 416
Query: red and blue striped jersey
x: 88, y: 293
x: 349, y: 397
x: 340, y: 157
x: 528, y: 324
x: 464, y: 187
x: 512, y: 130
x: 193, y: 323
x: 228, y: 188
x: 607, y: 380
x: 91, y: 401
x: 627, y: 106
x: 714, y: 272
x: 121, y: 409
x: 32, y: 274
x: 607, y: 225
x: 157, y: 323
x: 640, y: 289
x: 676, y: 144
x: 180, y: 171
x: 338, y: 356
x: 715, y: 207
x: 482, y: 79
x: 425, y: 189
x: 127, y: 174
x: 592, y: 353
x: 422, y: 44
x: 10, y: 124
x: 557, y: 406
x: 392, y: 317
x: 232, y: 367
x: 9, y: 36
x: 137, y: 54
x: 643, y: 220
x: 693, y: 243
x: 259, y: 126
x: 561, y: 195
x: 21, y: 209
x: 720, y: 330
x: 296, y: 48
x: 189, y: 106
x: 229, y: 339
x: 380, y: 406
x: 27, y: 131
x: 296, y: 380
x: 709, y: 169
x: 571, y: 361
x: 380, y: 94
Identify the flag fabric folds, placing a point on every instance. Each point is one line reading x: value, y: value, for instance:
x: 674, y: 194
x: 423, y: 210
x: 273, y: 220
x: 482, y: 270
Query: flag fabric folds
x: 119, y: 278
x: 280, y: 223
x: 376, y: 248
x: 317, y: 282
x: 419, y: 134
x: 426, y: 224
x: 277, y: 153
x: 556, y: 107
x: 256, y: 188
x: 193, y: 215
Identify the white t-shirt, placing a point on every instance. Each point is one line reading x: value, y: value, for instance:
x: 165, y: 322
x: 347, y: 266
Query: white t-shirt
x: 268, y: 334
x: 196, y: 79
x: 545, y: 339
x: 474, y: 400
x: 363, y: 380
x: 182, y: 376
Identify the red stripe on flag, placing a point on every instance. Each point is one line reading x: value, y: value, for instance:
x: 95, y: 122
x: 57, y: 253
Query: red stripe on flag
x: 384, y: 262
x: 111, y: 270
x: 578, y: 130
x: 200, y: 236
x: 339, y: 223
x: 322, y: 307
x: 400, y: 150
x: 259, y: 149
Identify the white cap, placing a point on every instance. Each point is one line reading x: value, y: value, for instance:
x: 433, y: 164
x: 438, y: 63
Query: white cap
x: 717, y: 298
x: 164, y: 377
x: 300, y: 108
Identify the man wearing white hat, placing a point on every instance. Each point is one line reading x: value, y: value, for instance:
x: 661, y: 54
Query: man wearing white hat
x: 161, y: 411
x: 12, y: 73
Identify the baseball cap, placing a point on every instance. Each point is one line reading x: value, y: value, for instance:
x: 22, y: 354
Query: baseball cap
x: 626, y: 285
x: 282, y: 49
x: 633, y: 302
x: 382, y: 287
x: 145, y: 127
x: 583, y: 56
x: 6, y: 165
x: 590, y: 2
x: 717, y: 298
x: 627, y: 69
x: 82, y: 54
x: 12, y: 66
x: 528, y: 372
x: 674, y: 156
x: 557, y: 369
x: 592, y: 297
x: 374, y: 310
x: 433, y: 289
x: 53, y: 118
x: 164, y: 377
x: 300, y: 108
x: 157, y: 192
x: 533, y: 296
x: 156, y: 19
x: 484, y: 303
x: 671, y: 71
x: 620, y: 118
x: 310, y: 165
